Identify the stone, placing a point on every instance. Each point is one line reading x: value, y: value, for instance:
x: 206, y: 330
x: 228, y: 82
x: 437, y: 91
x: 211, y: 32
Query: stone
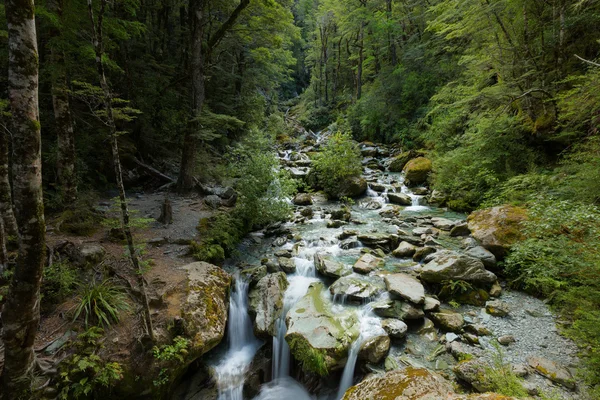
x: 205, y: 307
x: 486, y: 257
x: 375, y: 349
x: 437, y: 198
x: 420, y: 191
x: 335, y: 223
x: 497, y: 308
x: 375, y: 240
x: 347, y: 233
x: 448, y: 320
x: 496, y: 290
x: 287, y: 265
x: 470, y: 338
x: 349, y: 244
x: 397, y: 309
x: 303, y: 199
x: 394, y: 328
x: 460, y: 229
x: 397, y: 164
x: 254, y: 274
x: 478, y: 329
x: 318, y: 338
x: 357, y: 288
x: 307, y: 212
x: 462, y: 351
x: 265, y: 303
x: 443, y: 223
x: 498, y: 228
x: 417, y: 170
x: 474, y: 373
x: 368, y: 263
x: 91, y: 254
x: 405, y: 287
x: 520, y: 370
x: 330, y: 268
x: 354, y: 186
x: 423, y: 252
x: 399, y: 198
x: 506, y: 340
x: 343, y: 214
x: 404, y: 249
x: 422, y: 230
x: 552, y: 370
x: 213, y: 201
x: 431, y: 304
x: 377, y: 187
x: 448, y: 265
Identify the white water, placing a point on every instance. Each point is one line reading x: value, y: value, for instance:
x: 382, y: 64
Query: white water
x: 283, y: 389
x: 242, y: 346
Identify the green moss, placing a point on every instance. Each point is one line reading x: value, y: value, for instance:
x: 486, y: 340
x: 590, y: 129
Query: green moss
x: 312, y: 360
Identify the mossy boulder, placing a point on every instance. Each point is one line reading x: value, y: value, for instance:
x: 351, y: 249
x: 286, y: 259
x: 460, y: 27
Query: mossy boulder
x: 497, y: 228
x: 204, y: 310
x: 357, y: 288
x: 353, y: 186
x: 318, y: 338
x: 449, y: 265
x: 417, y: 170
x: 330, y: 268
x: 398, y: 162
x: 266, y: 303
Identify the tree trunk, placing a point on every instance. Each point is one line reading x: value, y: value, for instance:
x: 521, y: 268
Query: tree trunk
x: 3, y: 252
x: 359, y: 68
x: 6, y: 208
x: 110, y: 122
x: 21, y: 314
x: 392, y: 45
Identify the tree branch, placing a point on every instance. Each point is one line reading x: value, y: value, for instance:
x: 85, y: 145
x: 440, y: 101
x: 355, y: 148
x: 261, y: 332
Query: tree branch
x: 220, y: 33
x: 587, y: 61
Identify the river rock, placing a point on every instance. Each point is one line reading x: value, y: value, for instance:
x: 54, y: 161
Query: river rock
x: 347, y: 233
x: 375, y: 239
x: 448, y: 265
x: 437, y: 198
x: 487, y: 257
x: 498, y: 228
x: 335, y: 223
x: 496, y: 290
x: 266, y: 303
x: 349, y: 244
x: 462, y: 351
x: 375, y: 349
x: 367, y: 263
x: 318, y: 339
x: 423, y: 252
x: 474, y: 373
x: 552, y: 370
x: 443, y: 223
x: 357, y: 288
x: 91, y: 254
x: 431, y: 304
x: 353, y: 186
x: 417, y: 170
x: 287, y: 265
x: 302, y: 199
x: 330, y: 268
x: 378, y: 187
x: 394, y: 327
x: 506, y: 340
x: 406, y: 287
x: 460, y: 229
x: 448, y: 320
x: 343, y: 214
x: 497, y: 308
x: 404, y: 249
x: 400, y: 198
x: 397, y: 164
x: 205, y: 308
x: 254, y: 274
x: 397, y: 309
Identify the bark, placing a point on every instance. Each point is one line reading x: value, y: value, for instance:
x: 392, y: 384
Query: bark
x: 110, y: 122
x: 361, y: 57
x: 392, y: 45
x: 21, y: 312
x: 6, y: 209
x: 199, y: 54
x: 3, y: 252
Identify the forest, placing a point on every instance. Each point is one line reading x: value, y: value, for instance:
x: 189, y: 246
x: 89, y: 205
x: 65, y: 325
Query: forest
x: 314, y: 199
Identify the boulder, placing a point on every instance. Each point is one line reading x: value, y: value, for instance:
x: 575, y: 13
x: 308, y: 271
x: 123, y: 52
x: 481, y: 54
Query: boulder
x: 335, y: 223
x: 474, y: 373
x: 330, y: 268
x: 343, y: 214
x: 375, y: 349
x: 254, y: 274
x: 417, y: 170
x: 497, y: 228
x: 204, y: 310
x: 287, y: 265
x: 437, y: 198
x: 431, y: 304
x: 460, y: 229
x: 394, y: 328
x: 423, y: 252
x: 448, y: 265
x: 375, y: 239
x: 448, y: 320
x: 353, y: 186
x: 266, y: 303
x: 397, y: 164
x: 397, y: 309
x: 404, y: 249
x: 378, y: 187
x: 487, y: 257
x: 405, y: 287
x: 497, y: 308
x: 399, y: 198
x: 444, y: 224
x: 91, y: 254
x: 302, y: 199
x: 213, y: 201
x: 367, y: 263
x: 318, y: 338
x: 357, y: 288
x: 552, y: 370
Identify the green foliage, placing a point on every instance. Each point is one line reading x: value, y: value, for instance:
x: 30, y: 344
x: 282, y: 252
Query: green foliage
x: 172, y: 352
x: 100, y: 303
x: 59, y: 281
x: 80, y: 218
x: 85, y: 374
x: 113, y: 220
x: 339, y: 160
x: 451, y: 288
x: 219, y: 235
x: 501, y: 378
x: 560, y: 260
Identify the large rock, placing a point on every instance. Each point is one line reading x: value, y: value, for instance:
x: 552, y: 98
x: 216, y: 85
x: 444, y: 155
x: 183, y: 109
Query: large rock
x: 398, y: 162
x: 449, y: 320
x: 497, y: 228
x: 394, y: 327
x: 474, y: 372
x: 318, y: 338
x: 404, y: 249
x: 487, y: 257
x: 552, y: 371
x: 375, y: 240
x: 204, y: 311
x: 330, y: 268
x: 406, y: 287
x: 353, y: 186
x: 397, y: 309
x: 374, y: 349
x: 266, y: 303
x: 400, y: 198
x: 444, y: 224
x: 448, y: 265
x: 367, y: 263
x: 417, y: 170
x: 302, y: 199
x: 357, y: 288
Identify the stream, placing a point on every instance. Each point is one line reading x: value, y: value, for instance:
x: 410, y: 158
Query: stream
x: 530, y: 321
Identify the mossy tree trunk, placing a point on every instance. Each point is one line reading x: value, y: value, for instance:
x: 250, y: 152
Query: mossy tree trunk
x: 110, y: 122
x: 6, y: 208
x: 21, y: 313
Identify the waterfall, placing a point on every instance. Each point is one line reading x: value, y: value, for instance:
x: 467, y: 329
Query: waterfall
x: 242, y: 345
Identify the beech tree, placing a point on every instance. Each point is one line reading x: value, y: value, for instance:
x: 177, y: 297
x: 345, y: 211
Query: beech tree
x: 21, y: 313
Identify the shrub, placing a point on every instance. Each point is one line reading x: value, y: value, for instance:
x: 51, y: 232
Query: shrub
x: 501, y: 378
x: 59, y: 281
x: 100, y: 303
x: 339, y: 160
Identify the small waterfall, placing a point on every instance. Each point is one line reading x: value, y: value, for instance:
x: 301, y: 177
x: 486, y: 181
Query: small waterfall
x: 242, y: 345
x: 348, y: 375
